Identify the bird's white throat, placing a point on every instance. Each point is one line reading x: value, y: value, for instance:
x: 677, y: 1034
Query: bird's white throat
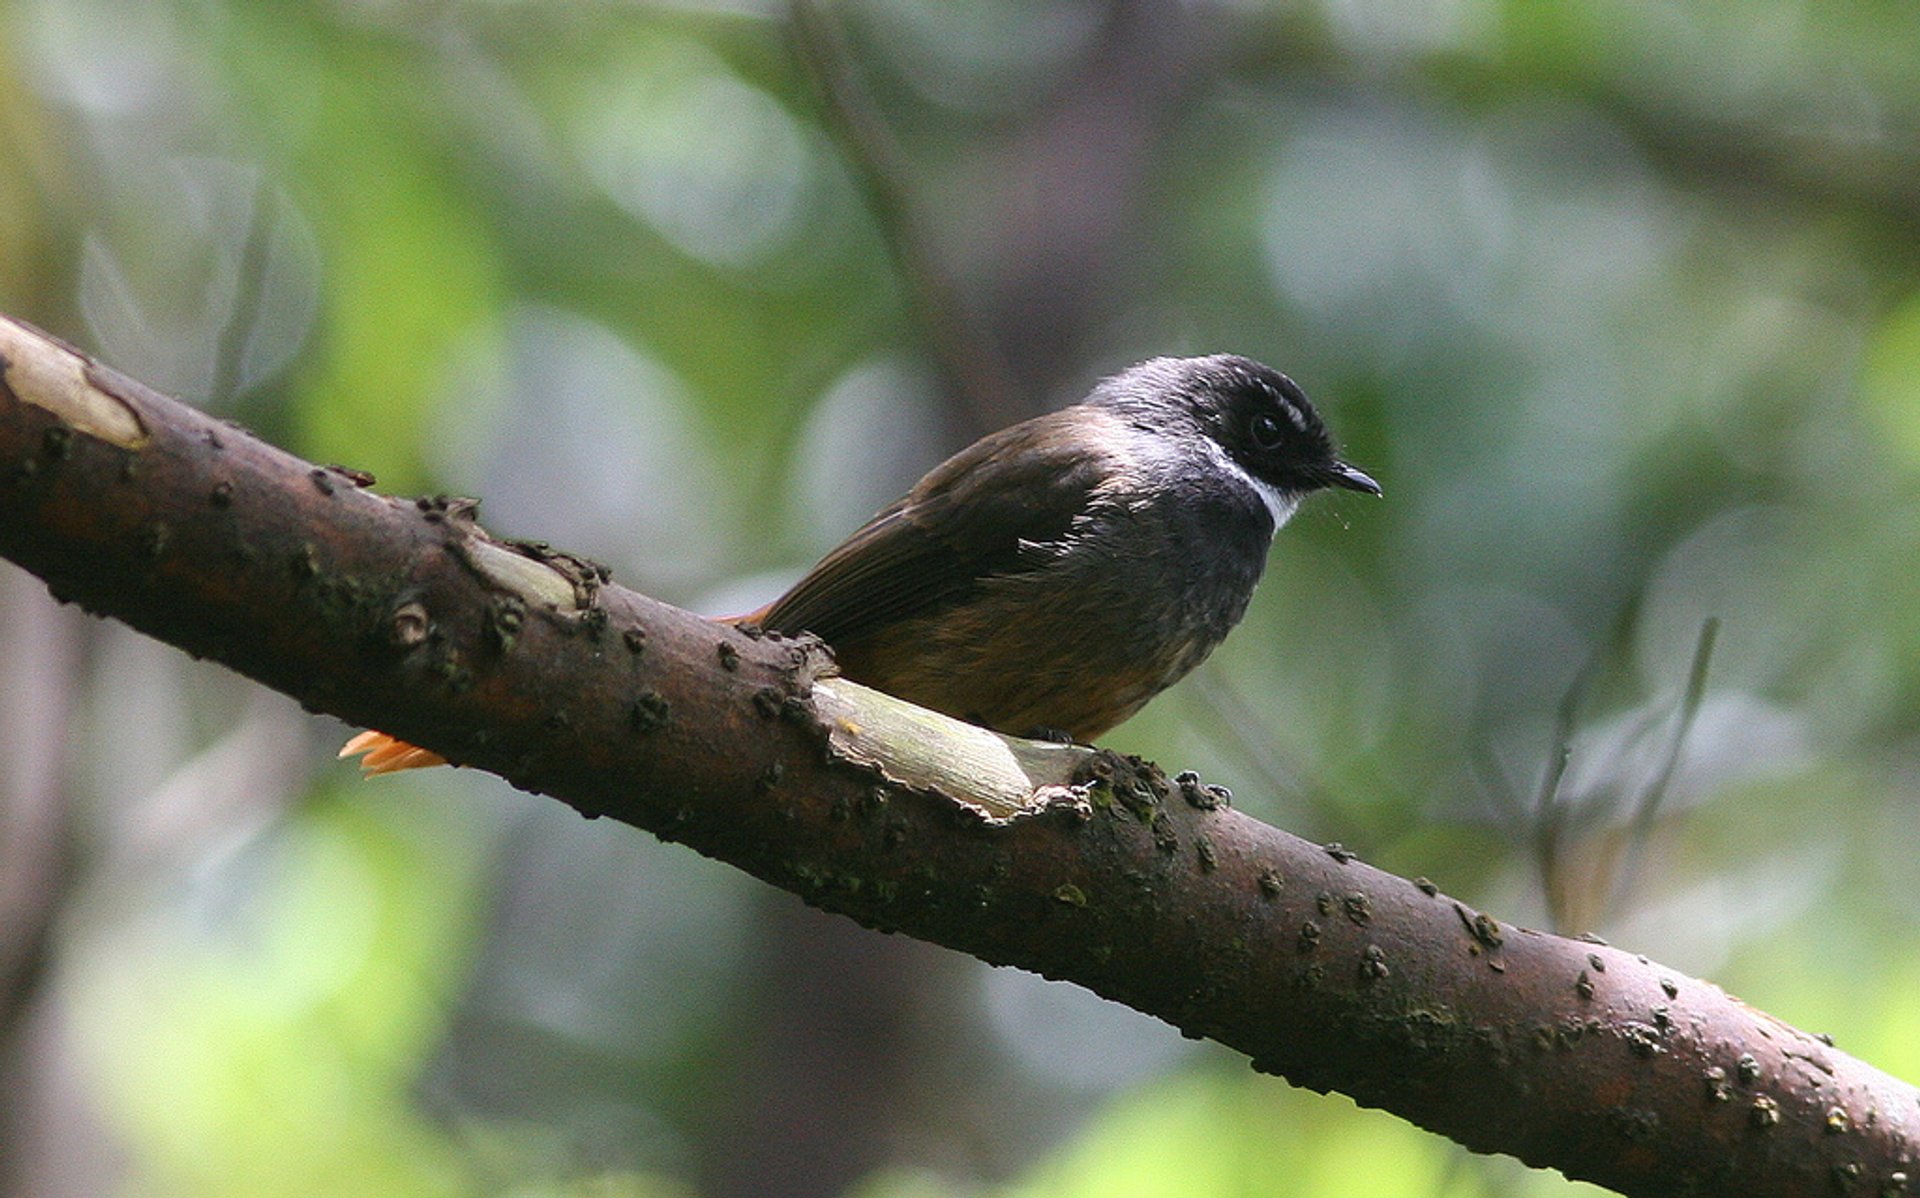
x: 1281, y: 505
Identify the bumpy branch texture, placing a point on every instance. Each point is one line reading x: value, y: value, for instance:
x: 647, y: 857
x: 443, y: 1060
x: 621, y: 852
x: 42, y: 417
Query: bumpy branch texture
x: 406, y: 616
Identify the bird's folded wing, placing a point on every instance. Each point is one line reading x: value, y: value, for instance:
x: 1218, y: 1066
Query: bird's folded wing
x: 970, y: 519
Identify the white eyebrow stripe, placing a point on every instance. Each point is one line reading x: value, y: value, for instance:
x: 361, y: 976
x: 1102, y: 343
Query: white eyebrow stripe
x: 1286, y: 404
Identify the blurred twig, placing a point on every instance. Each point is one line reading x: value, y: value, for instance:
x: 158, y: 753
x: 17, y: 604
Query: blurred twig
x: 1648, y: 807
x: 229, y: 379
x: 959, y: 340
x: 1549, y: 813
x: 1611, y: 876
x: 1240, y: 726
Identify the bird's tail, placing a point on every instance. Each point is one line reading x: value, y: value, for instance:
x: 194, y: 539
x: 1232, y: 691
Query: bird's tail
x: 382, y: 754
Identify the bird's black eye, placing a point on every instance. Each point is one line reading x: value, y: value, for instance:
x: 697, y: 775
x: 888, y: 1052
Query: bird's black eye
x: 1266, y: 430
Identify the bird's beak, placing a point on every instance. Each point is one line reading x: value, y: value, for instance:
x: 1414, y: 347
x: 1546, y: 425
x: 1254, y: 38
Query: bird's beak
x: 1343, y: 475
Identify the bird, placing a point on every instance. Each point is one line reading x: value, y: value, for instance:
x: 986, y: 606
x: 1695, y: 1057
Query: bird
x: 1052, y: 577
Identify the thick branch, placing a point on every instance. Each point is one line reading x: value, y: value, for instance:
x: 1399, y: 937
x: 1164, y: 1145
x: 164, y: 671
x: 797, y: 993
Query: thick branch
x: 405, y: 615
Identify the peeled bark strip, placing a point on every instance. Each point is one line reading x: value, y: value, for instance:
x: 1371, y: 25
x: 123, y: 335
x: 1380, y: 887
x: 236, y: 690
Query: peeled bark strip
x: 405, y: 615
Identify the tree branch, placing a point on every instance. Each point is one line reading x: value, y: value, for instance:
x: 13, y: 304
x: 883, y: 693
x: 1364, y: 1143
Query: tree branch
x: 1063, y: 860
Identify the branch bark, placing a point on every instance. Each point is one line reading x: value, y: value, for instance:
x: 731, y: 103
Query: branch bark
x: 1067, y: 861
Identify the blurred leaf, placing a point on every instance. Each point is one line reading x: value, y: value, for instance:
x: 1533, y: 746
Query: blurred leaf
x: 410, y: 267
x: 1890, y: 384
x: 1217, y: 1132
x: 409, y: 275
x: 259, y: 1038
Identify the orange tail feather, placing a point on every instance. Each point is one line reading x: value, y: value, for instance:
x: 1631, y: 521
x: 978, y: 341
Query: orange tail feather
x: 382, y: 754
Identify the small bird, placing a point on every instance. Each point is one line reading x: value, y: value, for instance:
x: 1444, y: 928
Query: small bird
x: 1051, y: 578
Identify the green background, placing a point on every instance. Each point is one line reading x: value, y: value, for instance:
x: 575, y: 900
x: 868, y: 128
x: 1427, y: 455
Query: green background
x: 1620, y: 302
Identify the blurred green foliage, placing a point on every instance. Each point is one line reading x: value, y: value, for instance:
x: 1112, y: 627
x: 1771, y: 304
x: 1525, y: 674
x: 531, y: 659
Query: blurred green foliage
x: 1621, y: 302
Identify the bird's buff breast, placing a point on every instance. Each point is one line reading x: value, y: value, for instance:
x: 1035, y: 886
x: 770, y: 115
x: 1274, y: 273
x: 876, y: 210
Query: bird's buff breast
x: 1073, y: 650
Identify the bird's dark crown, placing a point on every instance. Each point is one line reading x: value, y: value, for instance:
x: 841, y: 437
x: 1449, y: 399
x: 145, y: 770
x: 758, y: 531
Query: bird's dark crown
x: 1258, y: 416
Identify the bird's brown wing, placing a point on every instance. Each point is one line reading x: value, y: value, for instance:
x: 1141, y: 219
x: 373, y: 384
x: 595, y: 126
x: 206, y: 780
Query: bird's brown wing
x: 975, y: 516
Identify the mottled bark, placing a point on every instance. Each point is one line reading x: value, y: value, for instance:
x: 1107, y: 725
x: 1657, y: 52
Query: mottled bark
x: 1335, y: 975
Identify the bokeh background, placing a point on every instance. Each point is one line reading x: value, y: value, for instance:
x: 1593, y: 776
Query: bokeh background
x: 1621, y: 301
